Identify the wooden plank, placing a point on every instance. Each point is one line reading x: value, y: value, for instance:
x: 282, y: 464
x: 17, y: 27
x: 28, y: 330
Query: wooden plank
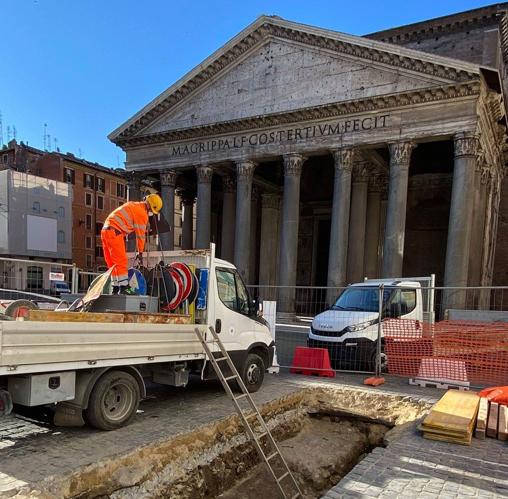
x: 55, y: 316
x: 108, y: 317
x: 502, y: 433
x: 492, y: 421
x: 455, y: 411
x: 483, y: 413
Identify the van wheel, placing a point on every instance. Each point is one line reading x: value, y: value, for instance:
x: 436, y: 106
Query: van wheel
x: 253, y: 372
x: 114, y: 401
x: 384, y: 359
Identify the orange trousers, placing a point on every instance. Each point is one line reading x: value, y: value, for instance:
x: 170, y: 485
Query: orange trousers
x: 113, y: 245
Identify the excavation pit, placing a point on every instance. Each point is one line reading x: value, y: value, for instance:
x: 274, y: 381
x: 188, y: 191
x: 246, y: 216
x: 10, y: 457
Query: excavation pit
x: 321, y: 431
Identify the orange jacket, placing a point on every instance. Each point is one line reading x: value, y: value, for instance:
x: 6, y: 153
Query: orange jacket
x: 130, y: 217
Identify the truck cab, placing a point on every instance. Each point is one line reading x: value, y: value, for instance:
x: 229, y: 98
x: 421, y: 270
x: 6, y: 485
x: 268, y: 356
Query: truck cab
x: 349, y: 329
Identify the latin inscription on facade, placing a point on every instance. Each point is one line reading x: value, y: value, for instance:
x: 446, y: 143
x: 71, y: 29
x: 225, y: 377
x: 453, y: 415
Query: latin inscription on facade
x: 282, y: 136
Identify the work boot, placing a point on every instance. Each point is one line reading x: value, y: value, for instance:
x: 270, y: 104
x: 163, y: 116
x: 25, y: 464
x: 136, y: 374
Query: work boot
x: 126, y: 290
x: 115, y: 290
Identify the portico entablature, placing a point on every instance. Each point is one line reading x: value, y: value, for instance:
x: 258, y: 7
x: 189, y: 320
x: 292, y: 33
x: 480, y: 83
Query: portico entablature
x: 419, y: 116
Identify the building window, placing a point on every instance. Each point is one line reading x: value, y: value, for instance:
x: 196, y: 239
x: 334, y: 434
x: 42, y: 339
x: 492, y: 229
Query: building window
x: 34, y: 278
x: 98, y: 252
x: 36, y: 207
x: 88, y: 181
x: 69, y: 176
x: 180, y: 240
x: 88, y: 199
x: 98, y: 228
x: 61, y: 237
x: 100, y: 202
x: 5, y: 158
x: 120, y: 190
x: 100, y: 184
x: 88, y: 242
x: 88, y: 222
x: 61, y: 212
x: 89, y: 261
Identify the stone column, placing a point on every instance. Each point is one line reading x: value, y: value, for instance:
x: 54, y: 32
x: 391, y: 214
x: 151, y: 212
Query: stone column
x: 244, y: 176
x: 134, y: 186
x: 461, y: 217
x: 204, y: 206
x: 228, y: 219
x: 188, y: 219
x: 254, y: 243
x: 477, y: 231
x: 168, y: 184
x: 289, y: 232
x: 339, y: 233
x: 393, y: 250
x: 270, y: 213
x: 373, y: 227
x: 357, y: 220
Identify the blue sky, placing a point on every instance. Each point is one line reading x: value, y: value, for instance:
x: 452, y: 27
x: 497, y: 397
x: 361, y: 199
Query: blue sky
x: 84, y: 67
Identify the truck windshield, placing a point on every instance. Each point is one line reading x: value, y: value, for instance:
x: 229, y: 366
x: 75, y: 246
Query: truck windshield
x: 361, y: 299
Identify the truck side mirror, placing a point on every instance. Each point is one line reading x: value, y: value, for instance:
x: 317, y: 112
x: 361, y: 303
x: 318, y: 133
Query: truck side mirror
x: 257, y: 307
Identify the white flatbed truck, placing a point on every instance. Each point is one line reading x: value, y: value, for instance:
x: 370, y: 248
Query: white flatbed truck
x: 100, y: 369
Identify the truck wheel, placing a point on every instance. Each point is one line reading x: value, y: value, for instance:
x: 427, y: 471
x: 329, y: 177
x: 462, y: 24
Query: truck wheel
x: 114, y: 401
x: 253, y: 372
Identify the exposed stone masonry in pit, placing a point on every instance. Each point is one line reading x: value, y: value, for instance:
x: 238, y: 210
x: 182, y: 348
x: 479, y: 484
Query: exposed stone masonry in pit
x: 215, y: 457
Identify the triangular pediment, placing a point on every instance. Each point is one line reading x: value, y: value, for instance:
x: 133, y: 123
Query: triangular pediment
x: 275, y: 66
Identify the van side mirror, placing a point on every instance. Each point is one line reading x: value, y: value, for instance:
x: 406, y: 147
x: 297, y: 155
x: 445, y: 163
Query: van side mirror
x: 257, y: 307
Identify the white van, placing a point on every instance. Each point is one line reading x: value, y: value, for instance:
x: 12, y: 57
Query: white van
x: 349, y: 329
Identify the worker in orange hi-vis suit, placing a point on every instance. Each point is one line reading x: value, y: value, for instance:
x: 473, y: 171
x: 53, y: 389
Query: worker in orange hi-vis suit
x: 130, y: 217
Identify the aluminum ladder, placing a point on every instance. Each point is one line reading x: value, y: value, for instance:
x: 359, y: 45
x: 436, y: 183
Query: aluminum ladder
x: 273, y: 450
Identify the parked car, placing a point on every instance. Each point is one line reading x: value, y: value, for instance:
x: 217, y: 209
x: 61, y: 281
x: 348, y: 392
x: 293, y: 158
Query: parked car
x: 59, y: 287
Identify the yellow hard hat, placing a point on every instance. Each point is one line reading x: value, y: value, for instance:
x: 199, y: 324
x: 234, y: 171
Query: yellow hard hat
x: 154, y: 201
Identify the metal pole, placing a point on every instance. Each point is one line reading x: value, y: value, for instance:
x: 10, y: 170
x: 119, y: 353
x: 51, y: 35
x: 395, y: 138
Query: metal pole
x: 379, y: 331
x: 75, y: 278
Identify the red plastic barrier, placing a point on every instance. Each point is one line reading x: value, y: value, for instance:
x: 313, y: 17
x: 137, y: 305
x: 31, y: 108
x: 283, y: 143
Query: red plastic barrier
x: 310, y: 361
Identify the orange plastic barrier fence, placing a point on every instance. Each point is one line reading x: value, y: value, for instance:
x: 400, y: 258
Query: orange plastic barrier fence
x: 474, y: 352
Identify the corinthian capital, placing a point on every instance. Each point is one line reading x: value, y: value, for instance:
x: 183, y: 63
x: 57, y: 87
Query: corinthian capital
x: 204, y: 173
x: 293, y: 164
x: 168, y: 178
x: 466, y: 144
x: 343, y: 159
x: 400, y: 154
x: 269, y: 200
x: 228, y: 184
x: 245, y: 169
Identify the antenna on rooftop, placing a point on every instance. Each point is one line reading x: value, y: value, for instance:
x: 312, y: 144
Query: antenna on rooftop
x: 14, y: 132
x: 48, y: 139
x: 8, y: 133
x: 55, y: 142
x: 79, y: 153
x: 44, y: 136
x: 1, y: 131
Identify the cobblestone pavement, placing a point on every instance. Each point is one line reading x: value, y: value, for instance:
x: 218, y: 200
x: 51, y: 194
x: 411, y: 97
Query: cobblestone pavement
x: 31, y: 450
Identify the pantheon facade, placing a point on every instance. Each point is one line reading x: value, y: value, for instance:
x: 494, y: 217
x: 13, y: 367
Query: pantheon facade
x: 316, y: 158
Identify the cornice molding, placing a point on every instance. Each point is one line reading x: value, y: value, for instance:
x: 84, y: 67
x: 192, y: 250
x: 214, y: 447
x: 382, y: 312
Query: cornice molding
x: 338, y: 109
x: 269, y: 30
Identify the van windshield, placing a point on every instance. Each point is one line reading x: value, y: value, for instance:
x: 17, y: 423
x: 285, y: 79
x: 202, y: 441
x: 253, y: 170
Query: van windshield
x: 361, y: 299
